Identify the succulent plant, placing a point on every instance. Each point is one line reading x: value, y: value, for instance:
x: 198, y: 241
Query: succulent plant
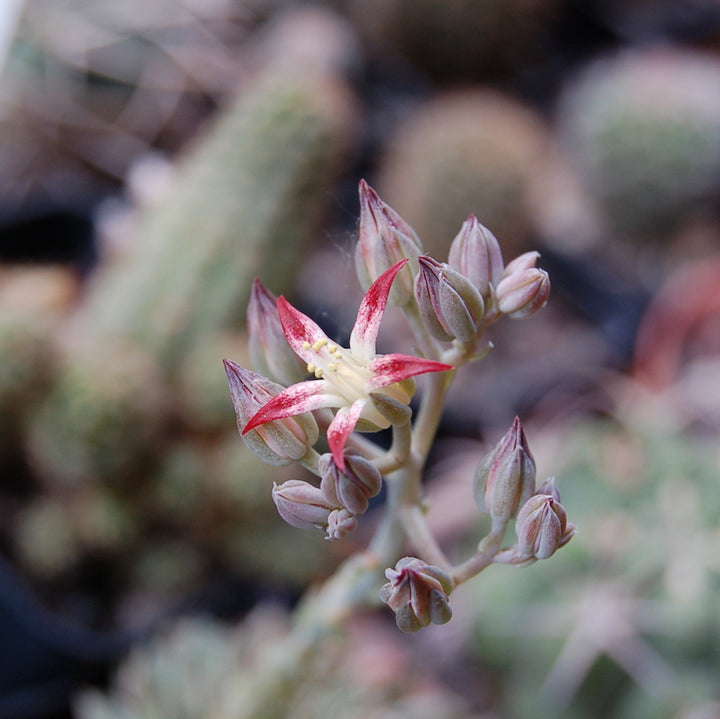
x: 245, y: 200
x: 200, y: 669
x: 643, y: 129
x: 473, y: 151
x: 103, y: 419
x: 28, y: 364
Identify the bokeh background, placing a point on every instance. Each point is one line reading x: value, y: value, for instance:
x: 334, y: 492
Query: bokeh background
x: 156, y: 156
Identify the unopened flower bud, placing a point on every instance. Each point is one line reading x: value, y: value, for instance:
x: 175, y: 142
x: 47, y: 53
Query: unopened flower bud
x: 300, y: 504
x: 505, y: 478
x: 526, y: 261
x: 270, y: 352
x: 385, y: 239
x: 340, y: 523
x: 393, y: 410
x: 475, y: 253
x: 524, y: 288
x: 549, y: 486
x: 418, y: 594
x: 542, y: 526
x: 279, y: 442
x: 449, y: 303
x: 351, y: 487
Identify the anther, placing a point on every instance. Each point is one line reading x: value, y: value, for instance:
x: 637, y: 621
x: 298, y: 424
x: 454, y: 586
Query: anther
x: 333, y: 366
x: 319, y: 373
x: 311, y: 368
x: 319, y: 344
x: 306, y: 345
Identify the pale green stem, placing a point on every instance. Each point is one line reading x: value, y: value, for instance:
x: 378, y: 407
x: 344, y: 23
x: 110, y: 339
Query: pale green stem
x: 428, y: 345
x: 431, y: 407
x: 417, y: 530
x: 399, y: 452
x: 483, y: 558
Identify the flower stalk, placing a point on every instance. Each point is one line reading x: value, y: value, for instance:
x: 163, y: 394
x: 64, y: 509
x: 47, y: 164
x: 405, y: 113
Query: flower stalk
x: 354, y: 389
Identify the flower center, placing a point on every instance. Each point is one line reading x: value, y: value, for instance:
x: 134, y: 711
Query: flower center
x: 340, y: 367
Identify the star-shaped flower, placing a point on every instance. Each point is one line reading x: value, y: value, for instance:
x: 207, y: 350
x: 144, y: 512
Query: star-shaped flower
x: 346, y: 379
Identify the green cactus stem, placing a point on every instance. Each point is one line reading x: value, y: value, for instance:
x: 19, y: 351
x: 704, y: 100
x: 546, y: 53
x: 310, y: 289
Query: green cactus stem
x: 245, y: 200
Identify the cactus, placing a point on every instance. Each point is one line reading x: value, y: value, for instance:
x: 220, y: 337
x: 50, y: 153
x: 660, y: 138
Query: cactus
x: 103, y: 419
x: 201, y: 384
x: 55, y: 532
x: 643, y: 129
x: 28, y: 358
x: 244, y: 201
x: 466, y: 152
x: 200, y: 670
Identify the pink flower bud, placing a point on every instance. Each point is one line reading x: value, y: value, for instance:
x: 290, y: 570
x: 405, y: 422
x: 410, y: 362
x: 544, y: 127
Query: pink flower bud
x: 384, y: 240
x: 300, y: 504
x: 418, y: 594
x: 450, y: 305
x: 270, y: 351
x: 279, y: 442
x: 549, y: 486
x: 393, y: 410
x: 524, y: 288
x: 542, y: 526
x: 525, y: 261
x: 340, y: 523
x: 505, y: 478
x: 352, y: 487
x: 475, y: 253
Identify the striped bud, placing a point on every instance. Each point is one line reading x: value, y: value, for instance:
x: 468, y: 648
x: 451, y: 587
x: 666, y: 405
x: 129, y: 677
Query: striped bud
x: 352, y: 487
x: 384, y: 240
x: 279, y: 442
x: 475, y: 253
x: 505, y: 478
x: 418, y: 594
x: 300, y: 504
x: 524, y: 288
x: 270, y: 352
x: 542, y: 526
x: 449, y: 303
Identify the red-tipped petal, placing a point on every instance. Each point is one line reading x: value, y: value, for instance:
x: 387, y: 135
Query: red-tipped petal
x: 299, y: 329
x: 297, y: 399
x: 370, y: 314
x: 388, y: 369
x: 341, y: 428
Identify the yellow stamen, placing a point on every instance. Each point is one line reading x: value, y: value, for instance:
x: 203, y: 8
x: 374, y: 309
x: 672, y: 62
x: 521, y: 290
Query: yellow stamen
x: 306, y: 345
x: 319, y: 344
x: 311, y: 368
x: 319, y: 373
x: 333, y: 366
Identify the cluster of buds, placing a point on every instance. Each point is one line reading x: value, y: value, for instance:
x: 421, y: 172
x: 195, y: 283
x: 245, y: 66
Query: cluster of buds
x: 343, y: 495
x: 457, y: 299
x: 418, y: 594
x: 505, y: 478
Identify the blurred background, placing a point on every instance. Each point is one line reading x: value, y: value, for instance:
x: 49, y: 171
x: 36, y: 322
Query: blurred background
x: 156, y: 156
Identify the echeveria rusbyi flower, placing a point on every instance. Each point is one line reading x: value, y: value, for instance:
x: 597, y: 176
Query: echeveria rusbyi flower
x: 345, y: 378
